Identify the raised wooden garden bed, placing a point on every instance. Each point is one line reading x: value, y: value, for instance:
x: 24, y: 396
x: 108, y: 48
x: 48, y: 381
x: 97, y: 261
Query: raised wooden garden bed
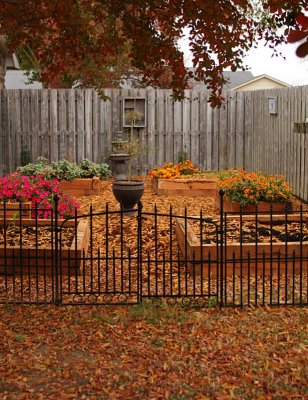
x: 24, y: 260
x: 185, y: 187
x: 259, y: 254
x: 12, y: 210
x: 82, y: 187
x: 234, y: 207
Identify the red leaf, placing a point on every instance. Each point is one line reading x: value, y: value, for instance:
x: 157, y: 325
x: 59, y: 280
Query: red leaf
x: 302, y: 50
x: 295, y: 36
x: 302, y: 20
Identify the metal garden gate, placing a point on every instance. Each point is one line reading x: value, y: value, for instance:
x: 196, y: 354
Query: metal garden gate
x: 231, y: 259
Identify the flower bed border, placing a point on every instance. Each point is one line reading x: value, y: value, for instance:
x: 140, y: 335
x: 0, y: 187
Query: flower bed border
x: 81, y: 186
x: 11, y: 209
x: 240, y: 251
x: 185, y: 187
x: 41, y: 259
x: 263, y: 206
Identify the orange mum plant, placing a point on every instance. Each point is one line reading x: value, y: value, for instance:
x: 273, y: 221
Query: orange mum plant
x: 173, y: 171
x: 250, y: 188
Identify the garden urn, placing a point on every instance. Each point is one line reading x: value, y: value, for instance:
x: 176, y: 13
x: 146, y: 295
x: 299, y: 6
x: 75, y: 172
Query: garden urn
x: 128, y: 193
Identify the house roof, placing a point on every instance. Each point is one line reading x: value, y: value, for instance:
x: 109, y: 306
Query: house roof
x: 237, y: 78
x: 234, y: 79
x: 257, y: 78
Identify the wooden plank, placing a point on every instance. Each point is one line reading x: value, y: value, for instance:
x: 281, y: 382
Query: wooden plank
x: 161, y: 126
x: 3, y: 135
x: 178, y: 129
x: 231, y: 130
x: 240, y: 130
x: 150, y: 132
x: 34, y: 151
x: 248, y: 134
x: 116, y: 115
x: 262, y: 138
x: 305, y: 156
x: 271, y: 132
x: 203, y: 131
x: 97, y: 153
x: 186, y: 129
x: 88, y: 124
x: 291, y: 153
x: 284, y: 131
x: 71, y: 137
x: 63, y: 151
x: 12, y: 126
x: 6, y: 156
x: 43, y: 137
x: 194, y: 136
x: 211, y: 140
x: 303, y: 137
x: 169, y: 131
x: 297, y: 117
x: 80, y: 125
x: 22, y: 143
x: 141, y: 137
x: 53, y: 133
x: 221, y: 131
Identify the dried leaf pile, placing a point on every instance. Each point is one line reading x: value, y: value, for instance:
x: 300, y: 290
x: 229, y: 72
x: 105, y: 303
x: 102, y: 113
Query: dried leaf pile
x: 145, y: 352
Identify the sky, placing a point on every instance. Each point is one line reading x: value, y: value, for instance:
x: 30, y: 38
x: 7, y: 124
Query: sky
x: 292, y: 70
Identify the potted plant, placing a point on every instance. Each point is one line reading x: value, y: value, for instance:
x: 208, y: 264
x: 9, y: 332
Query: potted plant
x: 129, y: 191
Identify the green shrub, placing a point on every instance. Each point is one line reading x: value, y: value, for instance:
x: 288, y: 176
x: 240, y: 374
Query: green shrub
x: 90, y: 169
x: 65, y: 169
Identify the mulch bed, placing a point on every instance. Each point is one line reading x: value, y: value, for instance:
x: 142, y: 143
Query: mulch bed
x: 31, y: 236
x: 249, y: 232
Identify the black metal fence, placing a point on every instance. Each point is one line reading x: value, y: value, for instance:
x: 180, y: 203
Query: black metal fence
x: 231, y: 259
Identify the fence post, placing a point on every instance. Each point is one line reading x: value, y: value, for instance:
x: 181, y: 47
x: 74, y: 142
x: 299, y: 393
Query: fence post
x: 56, y: 263
x: 220, y: 283
x: 139, y: 252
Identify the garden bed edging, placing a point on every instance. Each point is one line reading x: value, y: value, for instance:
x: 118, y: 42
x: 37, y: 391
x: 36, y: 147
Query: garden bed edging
x: 23, y: 260
x: 81, y: 186
x: 259, y: 255
x: 185, y: 187
x: 263, y: 206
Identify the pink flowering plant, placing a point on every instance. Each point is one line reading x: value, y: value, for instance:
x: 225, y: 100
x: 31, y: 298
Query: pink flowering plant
x: 40, y: 192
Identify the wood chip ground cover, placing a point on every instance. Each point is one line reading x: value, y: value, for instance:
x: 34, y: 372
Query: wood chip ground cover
x: 31, y: 236
x: 250, y: 232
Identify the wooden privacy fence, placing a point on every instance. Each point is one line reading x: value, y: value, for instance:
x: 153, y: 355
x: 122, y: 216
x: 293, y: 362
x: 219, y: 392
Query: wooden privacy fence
x: 252, y: 130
